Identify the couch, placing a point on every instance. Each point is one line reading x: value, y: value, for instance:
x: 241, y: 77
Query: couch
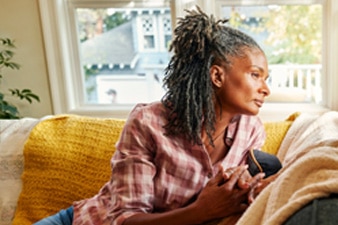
x: 47, y: 163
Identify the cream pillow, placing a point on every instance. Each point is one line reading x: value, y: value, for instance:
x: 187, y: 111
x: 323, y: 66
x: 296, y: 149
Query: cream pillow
x: 13, y: 134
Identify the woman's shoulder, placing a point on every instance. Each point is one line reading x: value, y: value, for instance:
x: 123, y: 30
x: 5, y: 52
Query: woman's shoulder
x: 153, y: 112
x: 148, y: 109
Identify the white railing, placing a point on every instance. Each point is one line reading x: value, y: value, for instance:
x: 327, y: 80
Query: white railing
x: 295, y: 83
x: 287, y: 83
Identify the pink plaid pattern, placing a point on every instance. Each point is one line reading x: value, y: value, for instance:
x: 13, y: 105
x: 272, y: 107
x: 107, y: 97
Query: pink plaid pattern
x: 155, y: 173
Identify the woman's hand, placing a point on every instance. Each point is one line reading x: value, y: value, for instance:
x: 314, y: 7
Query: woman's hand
x: 259, y: 188
x: 256, y: 184
x: 221, y: 196
x: 245, y: 181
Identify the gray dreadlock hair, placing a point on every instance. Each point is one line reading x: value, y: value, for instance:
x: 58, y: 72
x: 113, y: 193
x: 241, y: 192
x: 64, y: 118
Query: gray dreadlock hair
x: 200, y: 42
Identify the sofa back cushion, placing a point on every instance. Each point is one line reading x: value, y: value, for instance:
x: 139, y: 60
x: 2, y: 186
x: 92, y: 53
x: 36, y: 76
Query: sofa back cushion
x: 67, y: 158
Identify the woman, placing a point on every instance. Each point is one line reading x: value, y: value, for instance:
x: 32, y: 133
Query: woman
x: 182, y: 160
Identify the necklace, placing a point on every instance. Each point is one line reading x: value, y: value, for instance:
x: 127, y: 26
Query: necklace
x: 219, y: 150
x: 218, y: 135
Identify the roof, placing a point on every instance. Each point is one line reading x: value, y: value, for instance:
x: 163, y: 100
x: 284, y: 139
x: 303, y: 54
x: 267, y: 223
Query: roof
x: 114, y: 47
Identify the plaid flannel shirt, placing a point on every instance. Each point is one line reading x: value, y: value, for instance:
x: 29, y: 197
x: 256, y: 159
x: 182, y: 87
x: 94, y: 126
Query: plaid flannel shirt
x: 152, y: 172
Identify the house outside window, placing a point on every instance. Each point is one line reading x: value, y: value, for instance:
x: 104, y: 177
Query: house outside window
x: 125, y: 51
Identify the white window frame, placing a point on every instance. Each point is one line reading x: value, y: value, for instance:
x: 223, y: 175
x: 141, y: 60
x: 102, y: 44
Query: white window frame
x: 62, y: 53
x: 66, y: 81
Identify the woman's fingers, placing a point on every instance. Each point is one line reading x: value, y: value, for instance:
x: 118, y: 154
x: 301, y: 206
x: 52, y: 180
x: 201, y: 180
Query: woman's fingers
x: 260, y: 186
x: 244, y: 180
x: 256, y: 180
x: 228, y: 172
x: 218, y: 179
x: 233, y: 175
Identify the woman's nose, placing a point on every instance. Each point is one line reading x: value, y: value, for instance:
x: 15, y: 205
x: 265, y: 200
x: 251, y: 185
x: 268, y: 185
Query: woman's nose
x: 265, y: 89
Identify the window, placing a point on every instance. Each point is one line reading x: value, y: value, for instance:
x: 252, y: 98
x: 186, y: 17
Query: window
x: 148, y: 31
x: 84, y: 83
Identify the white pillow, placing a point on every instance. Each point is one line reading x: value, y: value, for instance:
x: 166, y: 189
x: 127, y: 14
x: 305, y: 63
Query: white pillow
x: 13, y: 135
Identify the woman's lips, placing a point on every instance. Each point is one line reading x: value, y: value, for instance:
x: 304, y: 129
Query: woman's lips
x: 259, y: 103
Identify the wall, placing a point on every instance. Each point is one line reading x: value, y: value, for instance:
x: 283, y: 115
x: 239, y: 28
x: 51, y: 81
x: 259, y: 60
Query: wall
x: 20, y: 20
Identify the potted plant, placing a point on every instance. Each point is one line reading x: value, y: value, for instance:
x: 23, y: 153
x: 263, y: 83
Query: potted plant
x: 7, y: 109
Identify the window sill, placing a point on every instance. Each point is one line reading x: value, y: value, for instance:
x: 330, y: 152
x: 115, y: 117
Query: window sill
x: 269, y: 111
x: 281, y: 111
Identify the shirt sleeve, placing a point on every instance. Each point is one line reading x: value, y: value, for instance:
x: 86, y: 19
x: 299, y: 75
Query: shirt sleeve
x: 133, y: 169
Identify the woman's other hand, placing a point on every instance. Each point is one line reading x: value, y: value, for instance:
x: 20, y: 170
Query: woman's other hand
x: 246, y: 181
x: 254, y: 192
x: 221, y: 197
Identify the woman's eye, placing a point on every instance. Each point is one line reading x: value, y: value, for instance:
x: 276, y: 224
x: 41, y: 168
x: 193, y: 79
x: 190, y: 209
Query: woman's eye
x: 255, y: 75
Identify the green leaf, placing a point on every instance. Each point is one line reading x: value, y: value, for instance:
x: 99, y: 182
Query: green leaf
x: 26, y: 91
x: 28, y: 99
x: 8, y: 111
x: 8, y: 53
x: 34, y: 96
x: 12, y: 65
x: 26, y: 94
x: 7, y: 42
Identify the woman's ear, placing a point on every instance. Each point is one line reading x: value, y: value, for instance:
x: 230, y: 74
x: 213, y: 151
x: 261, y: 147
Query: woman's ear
x: 217, y: 75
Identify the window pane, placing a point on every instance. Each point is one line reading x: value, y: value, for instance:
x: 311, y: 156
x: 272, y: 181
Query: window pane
x: 291, y: 36
x: 149, y: 41
x: 123, y: 53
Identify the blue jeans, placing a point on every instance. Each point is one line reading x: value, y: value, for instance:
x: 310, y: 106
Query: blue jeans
x: 63, y: 217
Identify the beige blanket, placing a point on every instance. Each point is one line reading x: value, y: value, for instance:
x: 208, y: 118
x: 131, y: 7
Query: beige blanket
x: 309, y: 154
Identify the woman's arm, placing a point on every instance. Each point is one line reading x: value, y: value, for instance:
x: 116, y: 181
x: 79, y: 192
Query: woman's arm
x: 220, y: 198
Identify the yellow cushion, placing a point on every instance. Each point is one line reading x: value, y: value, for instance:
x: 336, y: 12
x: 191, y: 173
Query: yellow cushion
x: 275, y: 133
x: 67, y: 158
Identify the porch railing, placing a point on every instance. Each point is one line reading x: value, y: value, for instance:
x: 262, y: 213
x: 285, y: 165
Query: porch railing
x: 301, y: 80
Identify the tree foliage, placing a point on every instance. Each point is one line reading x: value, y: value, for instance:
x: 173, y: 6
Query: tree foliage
x: 114, y: 20
x: 293, y: 32
x: 94, y: 22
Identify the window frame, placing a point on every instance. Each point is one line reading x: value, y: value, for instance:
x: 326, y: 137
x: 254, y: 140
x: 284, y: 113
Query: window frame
x: 66, y: 80
x: 62, y: 53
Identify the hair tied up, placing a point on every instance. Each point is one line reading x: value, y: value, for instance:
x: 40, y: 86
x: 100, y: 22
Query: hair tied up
x: 196, y: 32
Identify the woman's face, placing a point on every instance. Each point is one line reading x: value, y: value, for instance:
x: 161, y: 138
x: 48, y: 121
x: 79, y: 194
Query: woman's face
x: 242, y: 87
